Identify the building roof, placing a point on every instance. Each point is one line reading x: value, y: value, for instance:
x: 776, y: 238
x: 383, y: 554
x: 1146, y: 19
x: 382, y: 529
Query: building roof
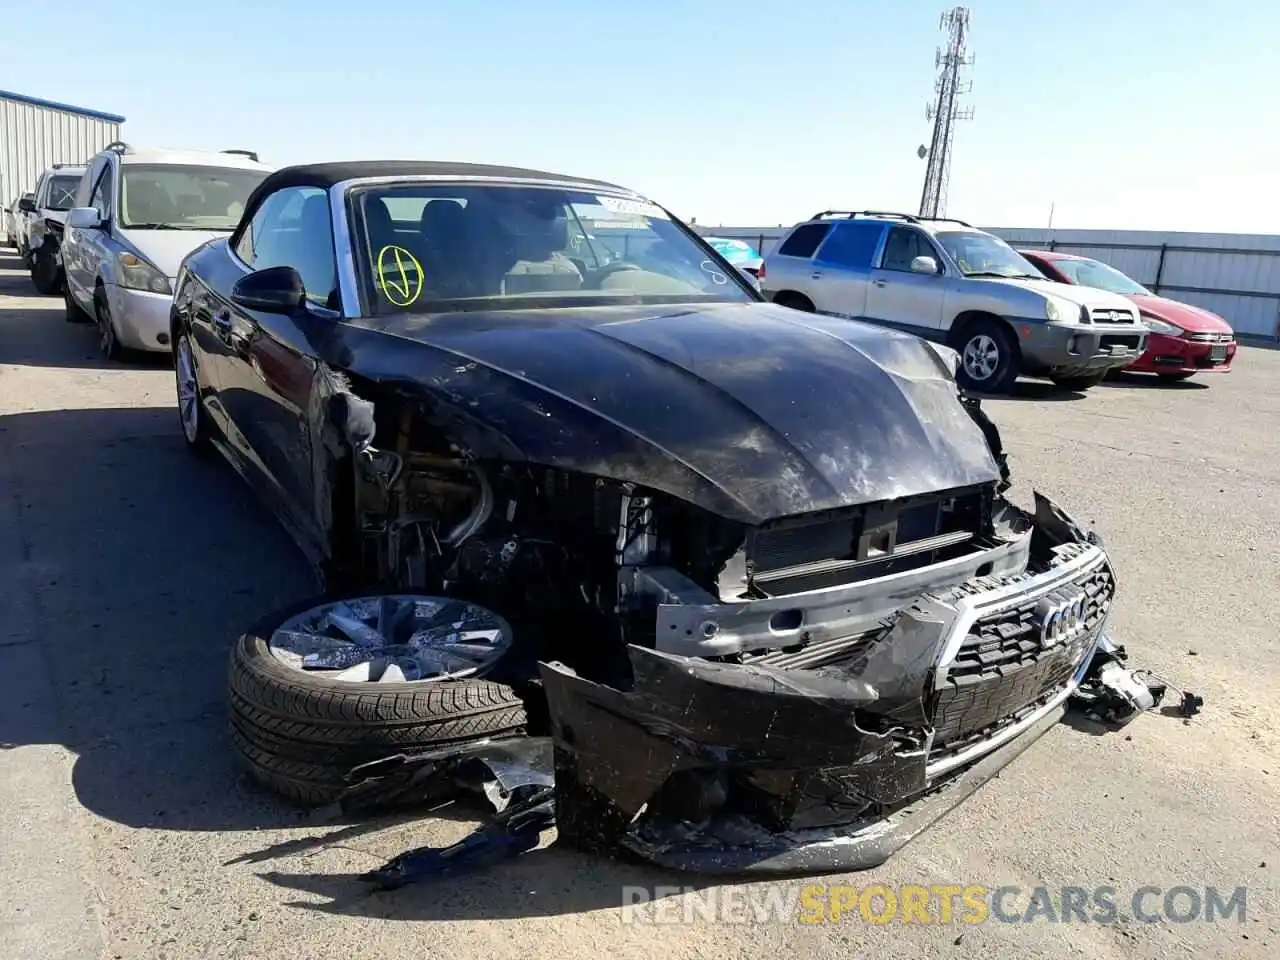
x: 65, y: 107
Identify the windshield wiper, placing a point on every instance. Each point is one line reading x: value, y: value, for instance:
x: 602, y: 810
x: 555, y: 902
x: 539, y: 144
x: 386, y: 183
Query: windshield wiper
x: 152, y: 226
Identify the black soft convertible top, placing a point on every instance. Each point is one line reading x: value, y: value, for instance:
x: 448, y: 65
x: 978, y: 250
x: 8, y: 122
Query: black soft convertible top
x: 325, y: 175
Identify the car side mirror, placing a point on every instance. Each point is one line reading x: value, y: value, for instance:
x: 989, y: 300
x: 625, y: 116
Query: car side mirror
x: 27, y: 205
x: 84, y: 218
x: 924, y: 265
x: 273, y: 290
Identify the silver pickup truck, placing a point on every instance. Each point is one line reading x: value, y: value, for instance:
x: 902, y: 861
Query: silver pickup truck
x: 950, y: 282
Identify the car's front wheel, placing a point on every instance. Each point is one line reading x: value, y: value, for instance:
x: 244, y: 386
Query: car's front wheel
x: 108, y: 342
x: 989, y: 357
x: 46, y: 274
x: 328, y: 685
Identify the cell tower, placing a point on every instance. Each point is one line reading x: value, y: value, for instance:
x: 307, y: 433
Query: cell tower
x: 945, y: 111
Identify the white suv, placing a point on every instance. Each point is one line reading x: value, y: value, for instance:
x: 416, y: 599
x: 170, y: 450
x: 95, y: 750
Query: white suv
x: 138, y: 213
x: 950, y: 282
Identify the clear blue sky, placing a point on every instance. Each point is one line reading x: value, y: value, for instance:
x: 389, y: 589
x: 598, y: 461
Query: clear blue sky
x: 1129, y: 114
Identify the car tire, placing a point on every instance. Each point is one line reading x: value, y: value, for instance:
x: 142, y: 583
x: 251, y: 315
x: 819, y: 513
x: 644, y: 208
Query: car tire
x: 1079, y: 383
x: 191, y: 415
x: 46, y: 275
x: 1175, y: 377
x: 989, y: 357
x: 300, y: 734
x: 74, y: 313
x: 108, y: 342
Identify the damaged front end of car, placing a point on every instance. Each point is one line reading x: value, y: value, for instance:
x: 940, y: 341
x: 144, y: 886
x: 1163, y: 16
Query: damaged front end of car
x: 730, y: 685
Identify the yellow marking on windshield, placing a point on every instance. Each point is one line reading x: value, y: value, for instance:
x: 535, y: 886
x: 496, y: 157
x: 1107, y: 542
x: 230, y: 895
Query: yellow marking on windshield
x: 400, y: 275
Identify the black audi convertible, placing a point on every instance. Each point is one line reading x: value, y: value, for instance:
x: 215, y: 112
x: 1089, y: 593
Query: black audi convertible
x: 563, y: 472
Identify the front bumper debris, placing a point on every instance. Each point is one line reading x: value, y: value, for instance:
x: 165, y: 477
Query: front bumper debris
x: 728, y: 767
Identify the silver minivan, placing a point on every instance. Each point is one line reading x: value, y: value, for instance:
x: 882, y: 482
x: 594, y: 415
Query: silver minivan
x: 137, y: 214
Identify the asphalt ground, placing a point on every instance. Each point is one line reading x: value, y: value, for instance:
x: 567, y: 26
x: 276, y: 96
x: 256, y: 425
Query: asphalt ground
x: 127, y: 831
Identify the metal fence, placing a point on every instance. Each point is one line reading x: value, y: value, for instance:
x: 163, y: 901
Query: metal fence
x: 1236, y: 276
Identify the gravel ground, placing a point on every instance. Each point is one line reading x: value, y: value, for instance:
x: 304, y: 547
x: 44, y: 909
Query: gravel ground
x: 126, y: 567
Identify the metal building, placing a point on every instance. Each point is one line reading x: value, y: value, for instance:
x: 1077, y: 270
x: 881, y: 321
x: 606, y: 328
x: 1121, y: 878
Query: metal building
x: 35, y: 134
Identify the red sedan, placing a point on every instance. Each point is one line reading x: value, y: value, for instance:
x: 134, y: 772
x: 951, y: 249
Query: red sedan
x: 1184, y: 340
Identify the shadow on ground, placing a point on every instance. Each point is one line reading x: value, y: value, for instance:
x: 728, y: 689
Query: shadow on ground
x: 1036, y: 390
x: 145, y: 562
x: 1149, y: 381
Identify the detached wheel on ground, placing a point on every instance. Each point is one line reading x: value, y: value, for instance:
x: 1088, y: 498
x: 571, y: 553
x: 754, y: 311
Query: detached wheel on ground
x: 324, y: 686
x: 1080, y: 383
x: 989, y: 357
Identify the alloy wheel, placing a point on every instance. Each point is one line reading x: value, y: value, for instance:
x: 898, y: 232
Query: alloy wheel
x: 981, y: 357
x: 188, y: 390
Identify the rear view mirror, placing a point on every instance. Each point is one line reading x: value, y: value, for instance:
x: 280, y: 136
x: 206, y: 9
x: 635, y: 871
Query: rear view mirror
x: 84, y: 218
x: 924, y: 265
x: 273, y: 290
x: 27, y: 205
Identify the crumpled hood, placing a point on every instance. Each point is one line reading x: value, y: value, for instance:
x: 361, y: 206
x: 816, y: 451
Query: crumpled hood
x: 753, y: 411
x: 1184, y: 315
x: 58, y: 216
x: 166, y: 248
x: 1080, y: 296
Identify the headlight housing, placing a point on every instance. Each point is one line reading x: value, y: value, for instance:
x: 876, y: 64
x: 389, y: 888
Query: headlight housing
x: 134, y: 273
x: 1156, y: 325
x: 1060, y: 311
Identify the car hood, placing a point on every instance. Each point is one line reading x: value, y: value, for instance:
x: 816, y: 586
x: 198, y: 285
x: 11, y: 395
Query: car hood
x: 58, y: 216
x: 1184, y: 315
x: 167, y: 248
x: 1080, y: 296
x: 752, y: 410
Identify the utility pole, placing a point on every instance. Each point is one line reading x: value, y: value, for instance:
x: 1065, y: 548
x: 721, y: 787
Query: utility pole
x: 946, y: 111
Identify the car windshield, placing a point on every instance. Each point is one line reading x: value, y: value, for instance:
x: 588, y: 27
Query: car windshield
x: 432, y: 246
x: 982, y: 255
x: 62, y: 192
x: 184, y: 197
x: 1091, y: 273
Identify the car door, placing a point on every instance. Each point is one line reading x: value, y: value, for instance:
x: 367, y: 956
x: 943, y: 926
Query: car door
x: 842, y: 268
x: 267, y: 365
x: 898, y: 297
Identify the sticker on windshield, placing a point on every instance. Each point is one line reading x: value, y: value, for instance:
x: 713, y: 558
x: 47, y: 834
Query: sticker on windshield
x: 400, y: 275
x: 640, y: 208
x: 712, y: 272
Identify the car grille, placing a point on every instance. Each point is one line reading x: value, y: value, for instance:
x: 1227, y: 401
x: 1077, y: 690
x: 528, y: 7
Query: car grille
x: 1003, y: 666
x: 1112, y: 316
x: 1129, y: 340
x: 1211, y: 337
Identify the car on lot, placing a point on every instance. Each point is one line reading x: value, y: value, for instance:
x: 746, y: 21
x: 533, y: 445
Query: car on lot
x: 950, y: 282
x: 137, y: 213
x: 1185, y: 339
x: 753, y: 570
x: 18, y: 219
x: 54, y: 196
x: 738, y: 252
x: 9, y: 223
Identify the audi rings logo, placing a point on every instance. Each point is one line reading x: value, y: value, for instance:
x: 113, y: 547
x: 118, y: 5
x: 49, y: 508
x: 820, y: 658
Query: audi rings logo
x: 1062, y: 617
